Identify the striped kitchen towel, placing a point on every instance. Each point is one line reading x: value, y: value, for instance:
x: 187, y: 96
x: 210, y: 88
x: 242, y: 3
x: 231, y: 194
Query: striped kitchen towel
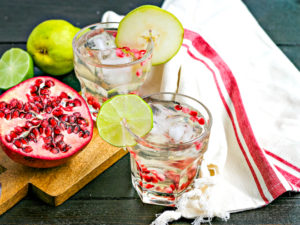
x: 252, y: 90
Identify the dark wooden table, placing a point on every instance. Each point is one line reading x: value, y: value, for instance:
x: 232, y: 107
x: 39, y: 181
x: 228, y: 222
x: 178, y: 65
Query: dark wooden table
x: 110, y: 198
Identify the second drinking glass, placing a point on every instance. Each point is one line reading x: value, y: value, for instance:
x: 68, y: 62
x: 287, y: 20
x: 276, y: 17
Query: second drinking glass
x: 103, y: 69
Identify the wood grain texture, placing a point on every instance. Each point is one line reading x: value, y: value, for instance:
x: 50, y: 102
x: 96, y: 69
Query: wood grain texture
x: 110, y: 198
x: 55, y: 185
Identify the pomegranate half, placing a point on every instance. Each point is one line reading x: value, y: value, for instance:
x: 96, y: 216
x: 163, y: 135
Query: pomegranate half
x: 43, y: 122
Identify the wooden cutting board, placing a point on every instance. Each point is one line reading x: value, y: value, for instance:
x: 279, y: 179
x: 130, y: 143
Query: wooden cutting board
x: 55, y: 185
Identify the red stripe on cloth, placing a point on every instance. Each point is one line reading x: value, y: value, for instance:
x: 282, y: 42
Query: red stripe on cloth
x: 233, y: 124
x: 289, y: 177
x: 272, y: 182
x: 282, y: 161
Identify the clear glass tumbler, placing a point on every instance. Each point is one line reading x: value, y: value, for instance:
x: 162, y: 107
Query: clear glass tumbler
x: 103, y: 69
x: 165, y: 162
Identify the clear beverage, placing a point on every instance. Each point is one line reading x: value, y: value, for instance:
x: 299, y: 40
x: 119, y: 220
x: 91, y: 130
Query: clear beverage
x: 165, y: 162
x: 104, y: 70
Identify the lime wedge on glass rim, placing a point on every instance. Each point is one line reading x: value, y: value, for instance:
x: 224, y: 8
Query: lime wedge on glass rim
x: 16, y: 65
x: 128, y: 109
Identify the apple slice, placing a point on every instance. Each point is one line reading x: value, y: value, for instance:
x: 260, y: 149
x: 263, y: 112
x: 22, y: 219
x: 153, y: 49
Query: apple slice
x: 147, y: 21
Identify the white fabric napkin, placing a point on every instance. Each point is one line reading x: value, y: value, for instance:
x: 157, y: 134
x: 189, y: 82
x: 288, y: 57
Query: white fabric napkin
x: 252, y: 90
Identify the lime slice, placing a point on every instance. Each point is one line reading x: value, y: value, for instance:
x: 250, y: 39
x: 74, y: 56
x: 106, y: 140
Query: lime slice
x: 132, y: 110
x: 16, y: 65
x: 147, y: 21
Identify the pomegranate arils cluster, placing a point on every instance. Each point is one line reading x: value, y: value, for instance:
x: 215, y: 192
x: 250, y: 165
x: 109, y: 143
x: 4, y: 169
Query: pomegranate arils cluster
x: 41, y: 120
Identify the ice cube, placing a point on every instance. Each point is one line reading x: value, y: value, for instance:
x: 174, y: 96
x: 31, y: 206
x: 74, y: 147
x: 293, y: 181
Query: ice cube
x: 101, y: 41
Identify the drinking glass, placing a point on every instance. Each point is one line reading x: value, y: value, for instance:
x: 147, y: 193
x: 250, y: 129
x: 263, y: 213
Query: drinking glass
x: 103, y: 69
x: 165, y: 162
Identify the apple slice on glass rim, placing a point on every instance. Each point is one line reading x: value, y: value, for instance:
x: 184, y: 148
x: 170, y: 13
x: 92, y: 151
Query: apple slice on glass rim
x: 147, y: 21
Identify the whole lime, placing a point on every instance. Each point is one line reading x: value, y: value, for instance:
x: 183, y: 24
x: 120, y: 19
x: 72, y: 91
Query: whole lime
x: 50, y: 45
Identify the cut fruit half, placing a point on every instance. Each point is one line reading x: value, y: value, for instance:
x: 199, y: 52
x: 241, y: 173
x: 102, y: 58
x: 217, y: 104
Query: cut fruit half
x: 131, y: 109
x: 16, y: 65
x: 147, y: 21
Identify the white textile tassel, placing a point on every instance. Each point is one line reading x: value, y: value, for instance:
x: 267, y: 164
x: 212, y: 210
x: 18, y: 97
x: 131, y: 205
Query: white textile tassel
x: 166, y: 217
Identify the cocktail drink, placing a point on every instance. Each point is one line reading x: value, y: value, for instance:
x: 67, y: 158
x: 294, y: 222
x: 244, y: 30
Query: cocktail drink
x: 165, y: 162
x: 103, y: 69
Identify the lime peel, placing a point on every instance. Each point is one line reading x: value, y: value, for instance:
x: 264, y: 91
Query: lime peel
x: 120, y: 112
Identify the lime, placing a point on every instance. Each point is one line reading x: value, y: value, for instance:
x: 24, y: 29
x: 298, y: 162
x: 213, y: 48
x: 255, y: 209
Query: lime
x: 147, y: 21
x: 16, y: 65
x: 128, y: 109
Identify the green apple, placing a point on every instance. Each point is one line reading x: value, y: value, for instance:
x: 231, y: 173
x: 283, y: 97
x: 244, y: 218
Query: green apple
x: 147, y: 21
x: 50, y: 45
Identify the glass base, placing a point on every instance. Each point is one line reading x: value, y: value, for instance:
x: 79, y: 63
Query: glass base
x: 154, y: 197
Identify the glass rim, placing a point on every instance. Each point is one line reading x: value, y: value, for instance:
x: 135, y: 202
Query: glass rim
x: 149, y: 49
x: 154, y: 145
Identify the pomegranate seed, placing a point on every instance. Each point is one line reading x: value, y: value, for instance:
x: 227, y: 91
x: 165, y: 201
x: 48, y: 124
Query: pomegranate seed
x: 48, y: 131
x: 201, y: 121
x: 54, y: 150
x: 36, y: 121
x: 86, y: 134
x: 77, y: 102
x: 90, y: 100
x: 96, y: 105
x: 67, y: 148
x: 76, y: 129
x: 27, y: 149
x: 172, y: 186
x: 147, y: 178
x: 35, y: 131
x: 72, y: 119
x: 148, y: 186
x: 2, y: 105
x: 138, y: 72
x: 141, y: 183
x: 62, y: 126
x: 154, y: 179
x: 41, y: 129
x: 58, y: 138
x: 63, y: 95
x: 18, y: 144
x: 13, y: 134
x: 45, y: 91
x: 185, y: 110
x: 28, y: 124
x: 46, y: 146
x: 39, y: 105
x: 44, y: 123
x: 70, y: 129
x: 8, y: 138
x: 48, y: 109
x: 37, y: 99
x: 120, y: 53
x: 81, y: 133
x: 28, y: 116
x: 57, y: 112
x: 35, y: 108
x: 47, y: 140
x: 13, y: 103
x: 2, y: 114
x: 49, y: 83
x: 7, y: 116
x: 21, y: 115
x: 14, y: 114
x: 77, y: 114
x: 193, y: 113
x: 56, y: 130
x: 81, y: 121
x: 52, y: 121
x: 20, y: 105
x: 18, y: 130
x: 38, y: 82
x: 64, y: 118
x: 24, y: 141
x: 27, y: 107
x: 33, y: 89
x: 61, y: 145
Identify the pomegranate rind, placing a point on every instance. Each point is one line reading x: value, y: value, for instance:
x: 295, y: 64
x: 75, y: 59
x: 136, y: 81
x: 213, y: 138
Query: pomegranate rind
x: 40, y: 157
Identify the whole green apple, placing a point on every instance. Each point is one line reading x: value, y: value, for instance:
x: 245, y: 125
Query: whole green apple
x: 50, y: 45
